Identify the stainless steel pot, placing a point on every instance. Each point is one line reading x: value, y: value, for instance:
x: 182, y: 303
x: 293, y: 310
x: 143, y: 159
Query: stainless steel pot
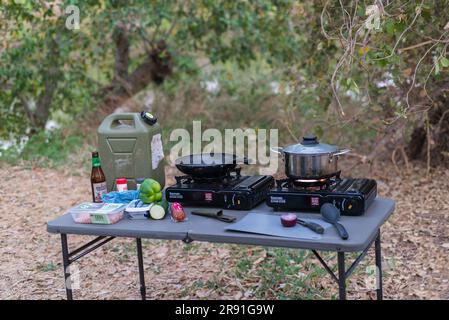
x: 310, y: 159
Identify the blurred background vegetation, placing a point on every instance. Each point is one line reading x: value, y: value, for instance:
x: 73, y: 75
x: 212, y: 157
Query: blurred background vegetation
x: 373, y: 75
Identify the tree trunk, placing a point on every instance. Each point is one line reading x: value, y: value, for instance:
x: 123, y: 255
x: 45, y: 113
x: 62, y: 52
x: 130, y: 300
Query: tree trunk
x: 438, y: 128
x: 121, y: 40
x: 51, y: 74
x: 154, y: 69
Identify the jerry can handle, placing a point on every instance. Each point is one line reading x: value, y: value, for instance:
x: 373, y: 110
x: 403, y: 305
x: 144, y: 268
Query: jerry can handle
x: 115, y: 117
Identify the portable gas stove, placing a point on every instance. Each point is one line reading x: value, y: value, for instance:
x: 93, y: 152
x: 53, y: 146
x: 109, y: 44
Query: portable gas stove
x: 232, y: 191
x: 351, y: 196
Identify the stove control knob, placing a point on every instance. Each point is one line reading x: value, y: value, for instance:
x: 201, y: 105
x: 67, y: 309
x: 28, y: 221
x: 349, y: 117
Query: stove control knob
x: 236, y: 201
x: 348, y: 205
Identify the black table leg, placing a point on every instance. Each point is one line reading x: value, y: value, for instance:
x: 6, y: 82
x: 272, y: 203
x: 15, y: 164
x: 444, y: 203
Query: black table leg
x: 341, y: 276
x: 66, y: 264
x: 378, y: 253
x: 143, y: 291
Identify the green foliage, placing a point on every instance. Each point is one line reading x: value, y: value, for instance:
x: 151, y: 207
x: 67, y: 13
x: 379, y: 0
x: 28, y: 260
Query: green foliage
x: 47, y: 267
x: 378, y: 75
x: 282, y: 274
x: 38, y: 48
x: 44, y: 149
x: 36, y: 43
x: 307, y: 46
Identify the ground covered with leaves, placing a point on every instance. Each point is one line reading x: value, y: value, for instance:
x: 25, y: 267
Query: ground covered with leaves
x: 415, y: 249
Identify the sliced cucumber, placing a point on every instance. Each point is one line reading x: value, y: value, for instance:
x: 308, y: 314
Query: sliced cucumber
x: 157, y: 212
x: 164, y: 204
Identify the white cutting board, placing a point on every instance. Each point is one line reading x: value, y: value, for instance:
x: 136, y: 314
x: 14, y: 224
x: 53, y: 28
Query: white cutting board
x: 268, y: 224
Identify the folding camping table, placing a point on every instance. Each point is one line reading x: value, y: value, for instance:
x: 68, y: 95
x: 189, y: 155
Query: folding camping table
x: 364, y: 231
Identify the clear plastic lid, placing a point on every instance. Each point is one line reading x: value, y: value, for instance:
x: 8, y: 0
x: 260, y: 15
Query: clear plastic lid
x: 98, y: 208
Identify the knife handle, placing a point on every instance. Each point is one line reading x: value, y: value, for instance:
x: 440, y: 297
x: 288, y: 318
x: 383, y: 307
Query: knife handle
x: 216, y: 215
x: 205, y: 214
x: 315, y: 227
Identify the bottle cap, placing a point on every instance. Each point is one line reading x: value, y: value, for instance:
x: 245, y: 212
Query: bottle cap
x: 121, y: 181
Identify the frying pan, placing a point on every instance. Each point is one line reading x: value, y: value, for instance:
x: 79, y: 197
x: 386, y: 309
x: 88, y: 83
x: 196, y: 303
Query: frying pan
x: 208, y: 165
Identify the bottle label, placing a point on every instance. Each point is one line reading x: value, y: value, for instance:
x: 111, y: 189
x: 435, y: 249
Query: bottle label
x: 99, y: 190
x: 100, y: 218
x: 122, y: 187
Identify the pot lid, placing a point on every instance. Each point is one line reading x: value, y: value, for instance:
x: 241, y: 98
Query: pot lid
x: 310, y: 145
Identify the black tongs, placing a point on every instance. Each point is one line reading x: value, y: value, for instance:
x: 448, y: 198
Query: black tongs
x: 216, y: 215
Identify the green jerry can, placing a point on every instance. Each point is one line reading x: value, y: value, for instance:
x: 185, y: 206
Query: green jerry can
x: 130, y: 146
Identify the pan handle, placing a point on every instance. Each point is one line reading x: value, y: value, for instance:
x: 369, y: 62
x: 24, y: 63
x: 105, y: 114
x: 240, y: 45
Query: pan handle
x: 340, y: 152
x: 244, y: 160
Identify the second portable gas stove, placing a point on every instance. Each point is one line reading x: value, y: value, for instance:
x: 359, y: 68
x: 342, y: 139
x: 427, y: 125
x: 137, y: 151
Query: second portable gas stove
x: 351, y: 196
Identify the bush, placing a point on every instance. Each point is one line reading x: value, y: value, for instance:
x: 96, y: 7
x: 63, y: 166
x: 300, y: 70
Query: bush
x: 43, y: 149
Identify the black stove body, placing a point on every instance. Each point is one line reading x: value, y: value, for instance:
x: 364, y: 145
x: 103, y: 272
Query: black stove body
x: 351, y: 196
x: 234, y: 192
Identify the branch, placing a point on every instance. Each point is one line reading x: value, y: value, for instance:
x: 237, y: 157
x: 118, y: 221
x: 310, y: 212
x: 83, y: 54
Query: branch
x: 418, y: 13
x: 26, y: 107
x: 148, y: 44
x: 326, y: 35
x: 428, y: 76
x: 391, y: 133
x: 407, y: 100
x: 51, y: 83
x: 415, y: 46
x: 170, y: 30
x: 155, y: 68
x: 121, y: 40
x: 333, y: 83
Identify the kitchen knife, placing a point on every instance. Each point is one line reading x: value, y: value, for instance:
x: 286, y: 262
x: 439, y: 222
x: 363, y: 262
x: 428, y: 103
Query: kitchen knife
x: 315, y: 227
x: 216, y: 215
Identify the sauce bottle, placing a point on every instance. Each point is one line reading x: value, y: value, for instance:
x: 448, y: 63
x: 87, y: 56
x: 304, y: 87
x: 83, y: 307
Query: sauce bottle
x: 122, y: 184
x: 97, y: 179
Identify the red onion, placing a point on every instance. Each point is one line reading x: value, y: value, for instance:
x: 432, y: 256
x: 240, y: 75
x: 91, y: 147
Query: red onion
x: 288, y: 220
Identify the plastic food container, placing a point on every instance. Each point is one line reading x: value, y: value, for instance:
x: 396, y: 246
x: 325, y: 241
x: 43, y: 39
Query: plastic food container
x: 98, y: 213
x: 136, y: 209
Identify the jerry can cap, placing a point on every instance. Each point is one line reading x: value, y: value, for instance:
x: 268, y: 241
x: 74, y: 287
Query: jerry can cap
x: 148, y: 117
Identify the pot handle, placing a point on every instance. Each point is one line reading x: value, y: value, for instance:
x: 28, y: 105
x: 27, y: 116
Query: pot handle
x: 340, y: 152
x: 277, y: 150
